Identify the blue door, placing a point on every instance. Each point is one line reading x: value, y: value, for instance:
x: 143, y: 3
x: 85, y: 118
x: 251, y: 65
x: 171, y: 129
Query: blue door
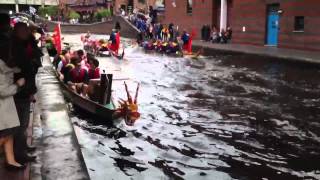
x: 273, y: 28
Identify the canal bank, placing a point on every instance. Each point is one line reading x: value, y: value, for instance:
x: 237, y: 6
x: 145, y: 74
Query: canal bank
x: 263, y: 51
x: 58, y: 151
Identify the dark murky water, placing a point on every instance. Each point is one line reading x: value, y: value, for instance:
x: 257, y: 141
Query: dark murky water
x: 223, y: 117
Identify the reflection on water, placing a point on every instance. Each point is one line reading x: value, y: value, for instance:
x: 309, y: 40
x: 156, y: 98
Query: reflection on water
x: 223, y: 117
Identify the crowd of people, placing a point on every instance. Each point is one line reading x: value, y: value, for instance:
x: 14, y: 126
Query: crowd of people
x: 20, y: 58
x: 160, y: 37
x: 167, y: 39
x: 215, y: 36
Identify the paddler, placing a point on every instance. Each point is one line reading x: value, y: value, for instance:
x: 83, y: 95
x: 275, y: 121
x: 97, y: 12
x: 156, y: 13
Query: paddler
x: 185, y: 39
x: 148, y: 45
x: 173, y: 48
x: 94, y: 78
x: 115, y: 41
x: 78, y: 80
x: 164, y: 47
x: 94, y: 71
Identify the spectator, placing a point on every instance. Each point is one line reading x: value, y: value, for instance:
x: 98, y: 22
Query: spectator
x: 27, y: 56
x: 9, y: 123
x: 207, y: 34
x: 171, y: 32
x: 159, y: 33
x: 203, y: 32
x: 150, y: 31
x: 165, y: 33
x: 117, y: 26
x: 140, y: 38
x: 223, y: 37
x: 229, y: 34
x: 215, y: 35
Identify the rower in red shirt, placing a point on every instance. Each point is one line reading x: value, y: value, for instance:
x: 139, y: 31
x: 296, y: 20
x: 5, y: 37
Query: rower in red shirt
x: 94, y: 71
x: 78, y: 80
x: 94, y: 78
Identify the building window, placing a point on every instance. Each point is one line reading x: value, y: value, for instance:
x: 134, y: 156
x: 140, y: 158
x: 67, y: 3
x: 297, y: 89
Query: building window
x: 189, y: 6
x: 299, y: 23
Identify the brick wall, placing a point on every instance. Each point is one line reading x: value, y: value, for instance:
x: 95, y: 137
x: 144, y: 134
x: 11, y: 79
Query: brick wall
x: 136, y: 3
x: 117, y: 5
x: 252, y: 15
x: 144, y: 6
x: 203, y: 12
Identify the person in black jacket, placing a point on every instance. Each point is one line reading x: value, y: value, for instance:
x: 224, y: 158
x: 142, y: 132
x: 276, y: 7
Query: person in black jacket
x: 27, y: 55
x: 117, y: 26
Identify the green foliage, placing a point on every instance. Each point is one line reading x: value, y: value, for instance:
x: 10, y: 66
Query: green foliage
x: 50, y: 10
x: 74, y: 15
x: 102, y: 13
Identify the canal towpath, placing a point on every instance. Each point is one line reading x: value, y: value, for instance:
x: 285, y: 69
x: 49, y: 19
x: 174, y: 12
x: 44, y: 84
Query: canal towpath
x: 267, y: 51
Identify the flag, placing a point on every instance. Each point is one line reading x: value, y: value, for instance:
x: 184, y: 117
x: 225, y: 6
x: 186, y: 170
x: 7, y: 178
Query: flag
x: 57, y: 38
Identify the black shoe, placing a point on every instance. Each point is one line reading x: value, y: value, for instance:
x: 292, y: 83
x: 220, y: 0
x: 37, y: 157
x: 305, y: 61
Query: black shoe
x: 31, y: 149
x: 11, y: 167
x: 27, y: 159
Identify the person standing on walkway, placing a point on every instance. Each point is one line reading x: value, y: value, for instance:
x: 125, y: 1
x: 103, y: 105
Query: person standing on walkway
x: 215, y: 35
x: 27, y: 56
x: 9, y: 122
x: 117, y: 26
x: 171, y: 32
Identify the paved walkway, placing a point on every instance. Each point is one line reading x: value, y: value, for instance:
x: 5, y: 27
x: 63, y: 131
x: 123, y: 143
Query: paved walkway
x: 58, y: 151
x: 288, y: 54
x: 17, y: 175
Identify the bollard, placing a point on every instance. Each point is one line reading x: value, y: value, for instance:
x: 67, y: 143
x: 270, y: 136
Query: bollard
x: 110, y: 76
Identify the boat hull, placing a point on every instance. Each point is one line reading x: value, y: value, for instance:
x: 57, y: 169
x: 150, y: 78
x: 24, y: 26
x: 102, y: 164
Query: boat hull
x: 105, y: 113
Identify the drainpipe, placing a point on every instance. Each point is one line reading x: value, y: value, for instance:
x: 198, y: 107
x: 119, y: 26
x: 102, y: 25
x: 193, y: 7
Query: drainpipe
x: 223, y: 15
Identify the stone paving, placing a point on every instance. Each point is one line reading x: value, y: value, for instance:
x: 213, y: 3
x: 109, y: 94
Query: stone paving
x: 58, y: 149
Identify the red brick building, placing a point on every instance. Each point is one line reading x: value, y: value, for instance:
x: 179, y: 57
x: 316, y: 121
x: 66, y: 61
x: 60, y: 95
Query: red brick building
x: 193, y: 14
x: 129, y: 5
x: 282, y: 23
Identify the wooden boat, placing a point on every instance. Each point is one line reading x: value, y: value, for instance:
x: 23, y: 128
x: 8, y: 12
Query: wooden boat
x: 105, y: 112
x: 180, y: 53
x: 106, y: 53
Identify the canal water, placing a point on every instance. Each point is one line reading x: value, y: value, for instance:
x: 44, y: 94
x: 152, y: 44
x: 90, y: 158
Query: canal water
x: 220, y: 117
